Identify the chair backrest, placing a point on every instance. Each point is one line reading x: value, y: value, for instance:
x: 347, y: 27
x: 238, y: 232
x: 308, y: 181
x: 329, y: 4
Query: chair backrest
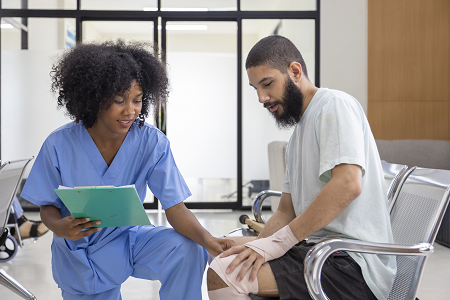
x: 277, y: 168
x: 416, y: 213
x: 11, y: 173
x: 392, y: 175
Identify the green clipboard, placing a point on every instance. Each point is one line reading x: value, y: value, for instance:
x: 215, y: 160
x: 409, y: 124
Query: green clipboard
x: 113, y: 206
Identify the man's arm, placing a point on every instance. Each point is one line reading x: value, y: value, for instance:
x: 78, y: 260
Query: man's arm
x: 344, y: 186
x: 283, y: 216
x: 184, y: 221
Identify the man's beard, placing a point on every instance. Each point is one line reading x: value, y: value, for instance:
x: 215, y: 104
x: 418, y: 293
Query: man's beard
x: 292, y: 104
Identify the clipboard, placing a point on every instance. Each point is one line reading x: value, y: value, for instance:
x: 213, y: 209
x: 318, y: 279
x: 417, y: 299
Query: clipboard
x: 113, y: 206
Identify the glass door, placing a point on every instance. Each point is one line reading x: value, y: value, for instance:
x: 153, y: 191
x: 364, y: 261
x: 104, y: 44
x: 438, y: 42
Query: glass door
x: 201, y: 58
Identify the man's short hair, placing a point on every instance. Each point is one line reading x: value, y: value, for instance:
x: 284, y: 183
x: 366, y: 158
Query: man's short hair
x: 276, y: 52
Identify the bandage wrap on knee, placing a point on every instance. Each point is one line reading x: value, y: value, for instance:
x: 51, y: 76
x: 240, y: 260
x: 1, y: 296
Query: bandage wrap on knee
x: 228, y: 293
x: 276, y: 245
x: 220, y: 264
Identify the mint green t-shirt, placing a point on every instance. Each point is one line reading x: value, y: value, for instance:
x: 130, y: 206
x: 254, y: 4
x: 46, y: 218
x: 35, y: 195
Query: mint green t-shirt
x: 332, y: 131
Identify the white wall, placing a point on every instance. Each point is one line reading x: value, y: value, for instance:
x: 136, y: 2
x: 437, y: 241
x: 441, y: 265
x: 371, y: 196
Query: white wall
x: 343, y: 39
x: 29, y: 110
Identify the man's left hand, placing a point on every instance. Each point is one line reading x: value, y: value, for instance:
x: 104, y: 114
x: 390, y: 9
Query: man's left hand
x: 246, y: 255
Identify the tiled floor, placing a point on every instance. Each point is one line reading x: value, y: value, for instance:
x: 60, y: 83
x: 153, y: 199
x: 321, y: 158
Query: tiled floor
x: 31, y: 266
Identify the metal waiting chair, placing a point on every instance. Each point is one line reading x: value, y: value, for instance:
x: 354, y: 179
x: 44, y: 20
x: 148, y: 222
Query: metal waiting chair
x: 392, y: 175
x: 11, y: 173
x: 416, y: 212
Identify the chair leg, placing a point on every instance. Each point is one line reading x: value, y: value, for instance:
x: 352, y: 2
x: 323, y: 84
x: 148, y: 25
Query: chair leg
x: 14, y: 286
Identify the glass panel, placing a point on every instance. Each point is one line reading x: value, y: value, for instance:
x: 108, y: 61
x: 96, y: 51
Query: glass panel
x: 127, y: 30
x: 285, y: 5
x: 138, y: 5
x: 258, y: 127
x: 40, y: 4
x: 29, y: 111
x: 201, y: 111
x: 198, y: 5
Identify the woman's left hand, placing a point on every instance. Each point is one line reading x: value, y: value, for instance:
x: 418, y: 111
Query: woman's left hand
x: 215, y: 246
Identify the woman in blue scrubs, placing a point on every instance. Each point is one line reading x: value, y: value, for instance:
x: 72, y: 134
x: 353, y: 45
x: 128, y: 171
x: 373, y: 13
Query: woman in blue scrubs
x: 108, y: 89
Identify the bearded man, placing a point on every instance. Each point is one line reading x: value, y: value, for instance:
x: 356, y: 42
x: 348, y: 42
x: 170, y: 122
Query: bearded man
x: 333, y: 188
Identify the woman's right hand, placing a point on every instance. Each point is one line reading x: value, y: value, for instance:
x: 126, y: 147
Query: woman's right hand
x: 74, y: 229
x: 68, y: 227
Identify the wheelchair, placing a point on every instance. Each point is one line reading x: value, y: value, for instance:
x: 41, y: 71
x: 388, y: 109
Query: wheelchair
x: 10, y: 240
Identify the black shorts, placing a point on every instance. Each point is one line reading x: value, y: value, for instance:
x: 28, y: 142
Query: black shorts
x: 341, y: 276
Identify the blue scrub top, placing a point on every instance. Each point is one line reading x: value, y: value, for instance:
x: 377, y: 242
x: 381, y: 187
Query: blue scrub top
x: 69, y: 157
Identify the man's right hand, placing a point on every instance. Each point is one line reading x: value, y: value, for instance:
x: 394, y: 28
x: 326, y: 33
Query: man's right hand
x: 74, y: 229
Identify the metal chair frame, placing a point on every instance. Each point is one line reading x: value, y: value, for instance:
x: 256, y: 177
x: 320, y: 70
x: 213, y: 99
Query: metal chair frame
x: 435, y: 182
x: 7, y: 196
x: 392, y: 175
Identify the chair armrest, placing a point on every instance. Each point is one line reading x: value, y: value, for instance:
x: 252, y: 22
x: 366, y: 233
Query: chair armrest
x: 317, y: 256
x: 258, y: 202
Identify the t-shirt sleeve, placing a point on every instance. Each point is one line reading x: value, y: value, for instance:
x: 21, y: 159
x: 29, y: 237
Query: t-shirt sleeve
x: 165, y: 180
x: 44, y: 178
x: 340, y: 134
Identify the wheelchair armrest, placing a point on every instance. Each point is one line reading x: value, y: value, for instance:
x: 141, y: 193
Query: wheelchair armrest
x: 258, y: 202
x: 318, y: 254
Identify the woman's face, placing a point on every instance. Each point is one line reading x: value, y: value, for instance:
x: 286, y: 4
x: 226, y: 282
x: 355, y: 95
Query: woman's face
x: 117, y: 119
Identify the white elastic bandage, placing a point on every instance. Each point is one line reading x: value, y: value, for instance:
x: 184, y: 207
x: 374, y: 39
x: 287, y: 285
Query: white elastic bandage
x: 220, y: 264
x: 276, y: 245
x: 227, y: 293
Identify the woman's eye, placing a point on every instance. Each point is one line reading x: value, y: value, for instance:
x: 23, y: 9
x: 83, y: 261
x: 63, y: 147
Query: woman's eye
x: 137, y: 101
x: 118, y: 101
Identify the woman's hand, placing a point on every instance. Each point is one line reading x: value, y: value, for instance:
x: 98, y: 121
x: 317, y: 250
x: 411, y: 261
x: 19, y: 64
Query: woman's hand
x: 215, y: 246
x: 74, y: 229
x: 250, y: 257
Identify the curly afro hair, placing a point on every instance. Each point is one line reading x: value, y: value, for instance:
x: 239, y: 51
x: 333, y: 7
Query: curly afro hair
x: 89, y: 76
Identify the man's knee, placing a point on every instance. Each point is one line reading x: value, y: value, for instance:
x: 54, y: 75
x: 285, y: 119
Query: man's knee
x: 214, y: 281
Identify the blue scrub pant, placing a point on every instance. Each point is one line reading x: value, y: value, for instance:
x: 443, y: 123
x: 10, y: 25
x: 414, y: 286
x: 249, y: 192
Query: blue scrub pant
x: 158, y: 253
x: 18, y: 210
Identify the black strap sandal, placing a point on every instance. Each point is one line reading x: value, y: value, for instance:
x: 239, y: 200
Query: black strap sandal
x: 33, y: 233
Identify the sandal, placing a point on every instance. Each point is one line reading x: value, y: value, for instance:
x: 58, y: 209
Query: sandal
x: 36, y: 228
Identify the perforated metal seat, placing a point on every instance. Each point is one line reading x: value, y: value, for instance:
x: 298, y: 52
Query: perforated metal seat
x: 11, y: 173
x: 416, y: 211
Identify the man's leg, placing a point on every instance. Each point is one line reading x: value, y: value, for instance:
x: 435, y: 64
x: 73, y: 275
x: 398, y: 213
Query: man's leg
x: 267, y: 286
x: 177, y: 262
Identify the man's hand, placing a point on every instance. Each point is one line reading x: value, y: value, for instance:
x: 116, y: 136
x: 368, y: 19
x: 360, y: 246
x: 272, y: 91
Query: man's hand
x: 74, y: 229
x: 215, y: 246
x: 250, y: 258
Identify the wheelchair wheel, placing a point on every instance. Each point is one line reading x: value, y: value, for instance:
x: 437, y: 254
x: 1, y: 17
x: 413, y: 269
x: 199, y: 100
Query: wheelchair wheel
x: 9, y: 249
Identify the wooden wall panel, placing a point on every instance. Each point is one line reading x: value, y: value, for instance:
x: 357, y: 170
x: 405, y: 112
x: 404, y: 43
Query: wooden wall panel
x: 408, y: 68
x: 410, y: 120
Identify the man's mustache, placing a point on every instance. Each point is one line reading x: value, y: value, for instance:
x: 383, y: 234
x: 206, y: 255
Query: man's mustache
x: 269, y: 104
